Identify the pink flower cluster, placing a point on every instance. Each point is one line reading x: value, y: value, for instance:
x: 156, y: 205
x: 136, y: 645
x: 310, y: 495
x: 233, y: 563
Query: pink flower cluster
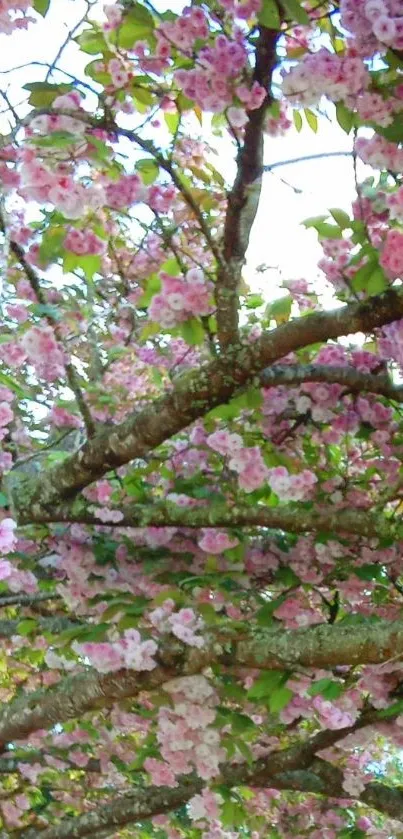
x: 209, y: 85
x: 390, y: 342
x: 248, y: 463
x: 379, y: 153
x: 181, y: 298
x: 376, y: 24
x: 190, y: 26
x: 291, y: 487
x: 204, y: 806
x: 17, y: 580
x: 125, y: 192
x: 324, y: 74
x: 13, y: 810
x: 278, y: 125
x: 113, y: 13
x: 83, y: 242
x: 242, y: 9
x: 9, y: 19
x: 130, y: 651
x: 43, y: 352
x: 39, y: 183
x: 392, y: 254
x: 183, y: 624
x: 395, y: 204
x: 372, y: 107
x: 185, y: 734
x: 216, y: 541
x: 45, y: 124
x: 120, y: 75
x: 7, y: 536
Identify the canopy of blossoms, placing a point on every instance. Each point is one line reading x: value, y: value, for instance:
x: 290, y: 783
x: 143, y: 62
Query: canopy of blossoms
x: 201, y: 537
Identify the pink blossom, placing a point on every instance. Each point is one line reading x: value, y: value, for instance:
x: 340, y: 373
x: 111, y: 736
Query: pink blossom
x: 161, y: 774
x: 204, y: 806
x: 215, y: 541
x: 7, y: 536
x: 6, y: 414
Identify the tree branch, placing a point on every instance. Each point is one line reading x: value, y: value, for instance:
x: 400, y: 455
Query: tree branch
x: 243, y: 200
x: 27, y: 599
x: 306, y: 158
x: 294, y: 768
x: 350, y: 378
x: 321, y: 646
x: 289, y: 518
x: 191, y: 397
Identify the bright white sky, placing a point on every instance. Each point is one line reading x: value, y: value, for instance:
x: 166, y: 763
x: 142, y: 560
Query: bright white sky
x: 277, y: 238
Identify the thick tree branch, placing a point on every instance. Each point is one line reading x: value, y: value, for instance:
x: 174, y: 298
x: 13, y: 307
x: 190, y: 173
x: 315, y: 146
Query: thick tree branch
x: 191, y: 397
x: 27, y: 599
x: 289, y: 518
x: 290, y: 769
x: 322, y: 646
x: 243, y: 200
x: 292, y: 375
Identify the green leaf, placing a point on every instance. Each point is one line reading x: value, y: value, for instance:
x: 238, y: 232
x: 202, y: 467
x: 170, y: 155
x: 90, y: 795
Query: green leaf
x: 327, y: 688
x: 279, y: 699
x: 313, y: 221
x: 328, y: 231
x: 172, y: 120
x: 287, y: 577
x: 253, y: 301
x: 393, y: 710
x: 393, y: 132
x: 138, y: 25
x: 192, y: 332
x: 149, y: 170
x: 377, y: 282
x: 254, y: 399
x: 134, y: 486
x: 370, y: 572
x: 311, y: 119
x: 245, y: 751
x: 241, y: 723
x: 26, y: 627
x: 41, y: 6
x: 45, y: 310
x: 361, y: 278
x: 9, y: 381
x: 341, y: 218
x: 153, y: 286
x: 295, y: 12
x: 297, y: 120
x: 269, y: 15
x: 267, y: 682
x: 232, y: 814
x: 90, y: 264
x: 51, y: 245
x: 264, y: 615
x: 92, y: 42
x: 58, y: 139
x: 3, y: 500
x: 344, y: 117
x: 172, y: 267
x: 279, y: 310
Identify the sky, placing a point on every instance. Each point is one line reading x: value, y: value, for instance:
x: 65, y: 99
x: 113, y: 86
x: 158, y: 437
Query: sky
x: 278, y: 240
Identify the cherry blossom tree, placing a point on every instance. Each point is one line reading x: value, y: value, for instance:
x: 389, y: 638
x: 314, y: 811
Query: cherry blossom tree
x: 201, y: 572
